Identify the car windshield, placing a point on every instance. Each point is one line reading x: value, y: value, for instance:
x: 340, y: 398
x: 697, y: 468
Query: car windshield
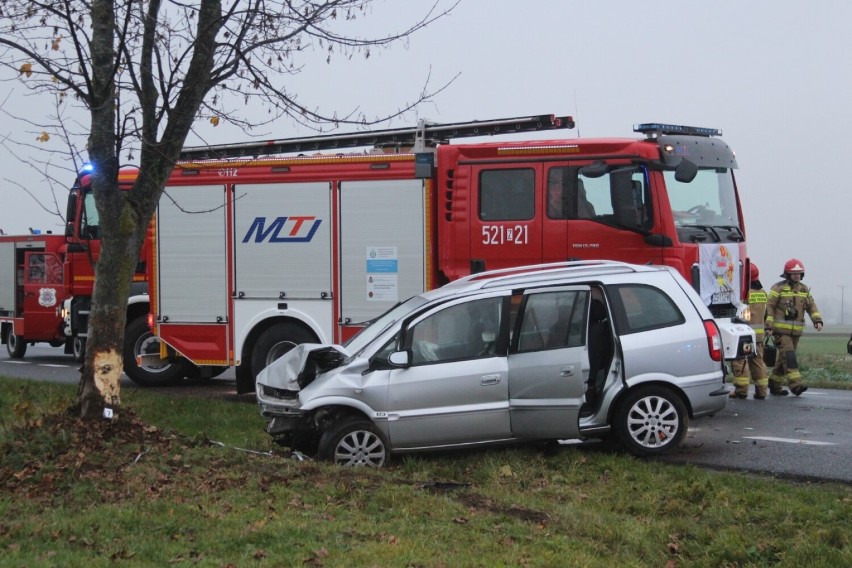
x: 708, y: 200
x: 360, y: 340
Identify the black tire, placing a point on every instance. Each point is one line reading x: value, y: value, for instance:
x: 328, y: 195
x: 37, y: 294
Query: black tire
x: 651, y: 420
x: 139, y: 340
x: 354, y: 442
x: 16, y: 346
x: 274, y: 342
x: 78, y: 349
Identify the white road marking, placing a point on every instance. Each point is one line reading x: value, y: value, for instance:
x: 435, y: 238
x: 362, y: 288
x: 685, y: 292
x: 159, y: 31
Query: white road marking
x: 790, y: 441
x: 54, y: 365
x: 17, y: 362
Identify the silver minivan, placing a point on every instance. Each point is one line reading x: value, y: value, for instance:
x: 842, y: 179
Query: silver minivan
x: 549, y: 352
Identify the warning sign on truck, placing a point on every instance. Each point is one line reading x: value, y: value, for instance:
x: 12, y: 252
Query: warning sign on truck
x: 382, y: 274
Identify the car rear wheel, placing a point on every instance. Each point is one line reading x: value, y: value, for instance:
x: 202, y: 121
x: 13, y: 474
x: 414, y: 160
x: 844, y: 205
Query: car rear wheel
x: 354, y: 442
x: 651, y: 421
x: 16, y: 346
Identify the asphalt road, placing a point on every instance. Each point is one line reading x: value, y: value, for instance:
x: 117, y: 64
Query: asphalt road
x: 805, y: 437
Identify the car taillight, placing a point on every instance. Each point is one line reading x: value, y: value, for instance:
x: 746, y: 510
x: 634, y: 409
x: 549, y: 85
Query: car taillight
x: 714, y: 340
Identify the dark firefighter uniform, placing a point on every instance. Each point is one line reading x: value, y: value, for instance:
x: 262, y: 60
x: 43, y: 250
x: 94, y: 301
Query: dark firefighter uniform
x: 788, y: 302
x: 753, y: 369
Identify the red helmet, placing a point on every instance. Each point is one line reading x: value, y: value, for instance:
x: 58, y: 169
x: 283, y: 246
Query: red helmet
x: 754, y: 273
x: 794, y: 265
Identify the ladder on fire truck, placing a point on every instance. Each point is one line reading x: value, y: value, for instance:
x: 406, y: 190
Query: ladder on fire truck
x: 419, y: 138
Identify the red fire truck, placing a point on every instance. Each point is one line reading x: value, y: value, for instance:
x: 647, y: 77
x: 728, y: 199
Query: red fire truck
x: 46, y: 283
x: 46, y: 280
x: 255, y: 249
x: 32, y: 288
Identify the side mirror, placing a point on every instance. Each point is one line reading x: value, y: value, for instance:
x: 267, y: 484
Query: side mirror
x: 594, y: 170
x: 400, y: 359
x: 686, y: 171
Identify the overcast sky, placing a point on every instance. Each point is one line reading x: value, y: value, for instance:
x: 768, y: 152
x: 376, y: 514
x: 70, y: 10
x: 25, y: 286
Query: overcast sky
x: 774, y: 75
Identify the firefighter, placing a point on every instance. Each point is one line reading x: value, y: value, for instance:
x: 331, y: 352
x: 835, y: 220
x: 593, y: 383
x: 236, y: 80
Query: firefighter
x: 785, y: 319
x: 753, y: 369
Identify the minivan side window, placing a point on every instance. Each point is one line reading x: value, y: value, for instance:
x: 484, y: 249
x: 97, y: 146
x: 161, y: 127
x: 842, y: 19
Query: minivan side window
x: 553, y: 320
x: 507, y: 195
x: 641, y: 308
x: 463, y: 331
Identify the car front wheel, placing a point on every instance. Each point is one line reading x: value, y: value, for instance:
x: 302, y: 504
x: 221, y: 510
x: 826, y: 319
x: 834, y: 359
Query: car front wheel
x: 354, y: 442
x: 651, y: 421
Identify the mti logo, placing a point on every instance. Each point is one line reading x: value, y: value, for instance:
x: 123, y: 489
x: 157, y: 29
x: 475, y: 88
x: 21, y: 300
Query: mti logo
x: 292, y: 229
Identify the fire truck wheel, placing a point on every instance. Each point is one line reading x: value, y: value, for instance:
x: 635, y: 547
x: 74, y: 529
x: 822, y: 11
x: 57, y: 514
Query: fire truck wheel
x: 16, y: 346
x: 275, y: 342
x: 78, y: 346
x: 139, y: 341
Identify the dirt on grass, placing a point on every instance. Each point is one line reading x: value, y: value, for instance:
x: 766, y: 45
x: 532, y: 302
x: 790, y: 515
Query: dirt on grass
x: 52, y: 451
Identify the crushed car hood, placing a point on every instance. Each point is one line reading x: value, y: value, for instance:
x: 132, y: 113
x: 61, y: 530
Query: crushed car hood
x: 297, y: 368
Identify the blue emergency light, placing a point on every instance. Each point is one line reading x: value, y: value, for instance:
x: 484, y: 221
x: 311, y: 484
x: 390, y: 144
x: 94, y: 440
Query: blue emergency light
x: 660, y: 128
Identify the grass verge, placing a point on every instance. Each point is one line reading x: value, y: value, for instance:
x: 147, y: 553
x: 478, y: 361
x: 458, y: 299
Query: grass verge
x: 150, y: 489
x: 824, y: 361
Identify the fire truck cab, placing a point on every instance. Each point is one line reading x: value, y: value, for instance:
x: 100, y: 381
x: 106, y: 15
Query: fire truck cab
x: 255, y: 251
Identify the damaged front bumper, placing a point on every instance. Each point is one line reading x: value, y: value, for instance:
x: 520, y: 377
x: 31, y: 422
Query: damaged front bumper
x: 280, y: 407
x: 279, y: 384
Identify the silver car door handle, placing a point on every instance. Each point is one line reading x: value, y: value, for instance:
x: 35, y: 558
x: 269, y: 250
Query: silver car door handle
x: 490, y: 380
x: 567, y: 371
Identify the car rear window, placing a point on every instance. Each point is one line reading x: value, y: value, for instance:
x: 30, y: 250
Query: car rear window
x: 639, y: 307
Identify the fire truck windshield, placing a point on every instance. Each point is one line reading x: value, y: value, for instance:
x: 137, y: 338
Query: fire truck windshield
x: 89, y: 222
x: 708, y: 201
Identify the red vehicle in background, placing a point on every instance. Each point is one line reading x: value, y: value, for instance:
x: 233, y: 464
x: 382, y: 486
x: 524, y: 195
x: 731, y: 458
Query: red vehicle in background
x: 32, y: 289
x: 262, y: 246
x: 46, y: 283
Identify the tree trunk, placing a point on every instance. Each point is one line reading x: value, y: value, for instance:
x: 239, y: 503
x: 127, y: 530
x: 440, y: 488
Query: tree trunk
x: 100, y: 381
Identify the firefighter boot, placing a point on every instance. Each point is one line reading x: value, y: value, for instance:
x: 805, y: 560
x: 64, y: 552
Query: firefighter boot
x: 798, y: 389
x: 739, y: 392
x: 760, y: 387
x: 776, y: 388
x: 740, y: 383
x: 796, y: 386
